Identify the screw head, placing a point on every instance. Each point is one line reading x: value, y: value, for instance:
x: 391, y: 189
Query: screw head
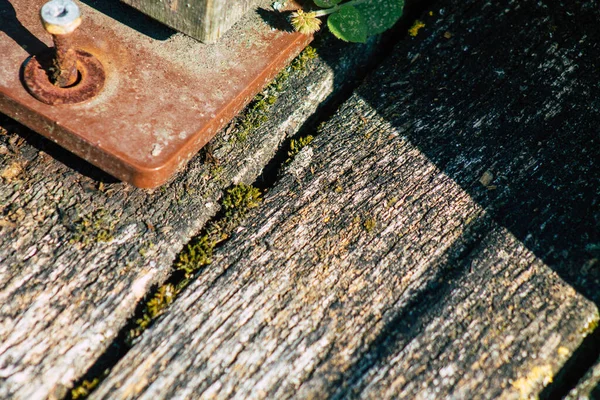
x: 60, y: 17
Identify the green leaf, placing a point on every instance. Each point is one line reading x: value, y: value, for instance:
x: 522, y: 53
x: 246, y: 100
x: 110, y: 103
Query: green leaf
x: 348, y: 24
x: 380, y: 15
x: 326, y: 3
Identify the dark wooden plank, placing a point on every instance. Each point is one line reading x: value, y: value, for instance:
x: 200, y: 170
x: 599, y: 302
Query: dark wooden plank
x: 410, y: 251
x: 78, y: 250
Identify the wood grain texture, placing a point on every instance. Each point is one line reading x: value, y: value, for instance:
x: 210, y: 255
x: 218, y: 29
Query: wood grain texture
x: 78, y: 250
x: 205, y: 20
x: 432, y: 242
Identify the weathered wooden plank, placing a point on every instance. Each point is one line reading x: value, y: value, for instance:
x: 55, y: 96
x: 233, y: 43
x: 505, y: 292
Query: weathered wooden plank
x: 205, y: 20
x: 407, y: 252
x: 78, y: 250
x: 292, y: 305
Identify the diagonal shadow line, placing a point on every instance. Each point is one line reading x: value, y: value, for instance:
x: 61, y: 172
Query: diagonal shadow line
x: 409, y: 322
x: 546, y: 188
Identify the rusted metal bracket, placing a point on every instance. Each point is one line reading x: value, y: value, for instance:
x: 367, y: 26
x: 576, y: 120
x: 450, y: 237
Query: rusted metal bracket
x: 154, y: 100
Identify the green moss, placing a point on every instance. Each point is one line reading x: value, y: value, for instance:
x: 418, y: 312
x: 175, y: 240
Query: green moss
x: 161, y: 300
x: 84, y: 389
x: 196, y: 255
x: 95, y: 227
x: 392, y: 202
x: 370, y: 224
x: 256, y: 113
x: 236, y: 203
x: 297, y: 145
x: 300, y: 63
x: 217, y: 172
x: 239, y: 199
x: 154, y: 307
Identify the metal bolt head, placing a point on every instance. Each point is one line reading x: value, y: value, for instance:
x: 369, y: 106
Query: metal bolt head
x: 60, y: 17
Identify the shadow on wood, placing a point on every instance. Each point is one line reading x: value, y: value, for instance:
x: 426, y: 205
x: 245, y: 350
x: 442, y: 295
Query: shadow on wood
x: 514, y: 121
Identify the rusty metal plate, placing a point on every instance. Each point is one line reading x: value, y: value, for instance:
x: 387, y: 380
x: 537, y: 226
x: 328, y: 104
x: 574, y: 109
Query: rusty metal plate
x: 164, y: 96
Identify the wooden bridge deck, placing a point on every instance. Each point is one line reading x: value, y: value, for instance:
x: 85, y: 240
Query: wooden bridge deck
x: 438, y: 237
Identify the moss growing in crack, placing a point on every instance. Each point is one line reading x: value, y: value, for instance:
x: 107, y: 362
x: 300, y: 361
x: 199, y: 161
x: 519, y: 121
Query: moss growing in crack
x: 154, y: 307
x: 256, y: 113
x: 84, y: 389
x: 300, y: 62
x: 239, y: 199
x: 161, y: 300
x: 95, y: 227
x: 196, y: 254
x: 236, y: 203
x: 297, y: 145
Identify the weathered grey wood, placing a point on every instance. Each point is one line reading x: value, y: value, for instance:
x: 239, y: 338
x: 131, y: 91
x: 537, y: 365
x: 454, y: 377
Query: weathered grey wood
x: 589, y: 387
x: 77, y: 255
x: 205, y: 20
x: 305, y: 332
x: 395, y: 258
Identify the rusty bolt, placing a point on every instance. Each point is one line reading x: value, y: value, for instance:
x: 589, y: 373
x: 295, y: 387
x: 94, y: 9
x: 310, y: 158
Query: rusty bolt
x: 67, y: 75
x: 60, y: 19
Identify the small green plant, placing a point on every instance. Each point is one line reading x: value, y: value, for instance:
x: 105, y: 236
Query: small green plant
x: 162, y: 299
x: 352, y: 20
x: 238, y: 200
x: 197, y: 254
x: 84, y: 389
x: 297, y: 145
